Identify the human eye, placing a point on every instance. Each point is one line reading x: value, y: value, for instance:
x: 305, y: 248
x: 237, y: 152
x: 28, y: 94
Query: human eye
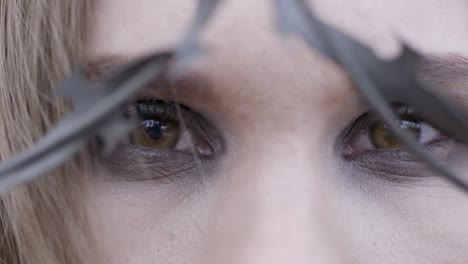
x: 169, y: 126
x: 371, y: 146
x: 171, y: 140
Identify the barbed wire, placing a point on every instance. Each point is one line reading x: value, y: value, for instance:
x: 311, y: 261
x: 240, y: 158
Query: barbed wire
x: 380, y: 83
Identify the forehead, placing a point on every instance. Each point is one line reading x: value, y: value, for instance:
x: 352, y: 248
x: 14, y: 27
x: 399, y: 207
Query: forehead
x: 249, y: 65
x: 140, y: 26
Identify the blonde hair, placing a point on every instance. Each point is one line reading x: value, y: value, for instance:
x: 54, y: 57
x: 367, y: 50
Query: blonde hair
x: 41, y: 41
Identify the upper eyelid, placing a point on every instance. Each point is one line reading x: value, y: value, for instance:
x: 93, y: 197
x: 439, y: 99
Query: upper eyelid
x: 169, y: 110
x: 400, y: 111
x: 149, y: 106
x: 156, y: 108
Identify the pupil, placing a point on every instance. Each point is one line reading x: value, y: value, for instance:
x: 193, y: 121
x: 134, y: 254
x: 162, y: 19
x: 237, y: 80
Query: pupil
x: 154, y: 129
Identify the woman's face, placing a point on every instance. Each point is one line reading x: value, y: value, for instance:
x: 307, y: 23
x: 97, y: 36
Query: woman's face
x: 279, y: 170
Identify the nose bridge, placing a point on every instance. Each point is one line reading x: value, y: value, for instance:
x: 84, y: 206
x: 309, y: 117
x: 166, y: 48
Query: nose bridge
x: 275, y: 206
x: 274, y: 202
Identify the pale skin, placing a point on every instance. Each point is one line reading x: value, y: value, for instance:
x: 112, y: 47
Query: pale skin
x: 280, y: 192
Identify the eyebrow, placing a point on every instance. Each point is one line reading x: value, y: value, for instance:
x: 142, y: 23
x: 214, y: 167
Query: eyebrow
x: 438, y: 71
x: 97, y: 68
x: 194, y: 83
x: 444, y: 69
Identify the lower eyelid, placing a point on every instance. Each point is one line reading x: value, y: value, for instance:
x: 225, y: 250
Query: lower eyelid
x: 401, y: 163
x: 392, y: 169
x: 135, y: 163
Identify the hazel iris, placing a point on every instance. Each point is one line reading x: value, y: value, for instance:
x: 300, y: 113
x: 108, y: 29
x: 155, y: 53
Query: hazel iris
x: 158, y: 134
x: 383, y: 138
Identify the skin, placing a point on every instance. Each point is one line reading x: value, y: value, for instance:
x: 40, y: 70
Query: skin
x: 281, y: 191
